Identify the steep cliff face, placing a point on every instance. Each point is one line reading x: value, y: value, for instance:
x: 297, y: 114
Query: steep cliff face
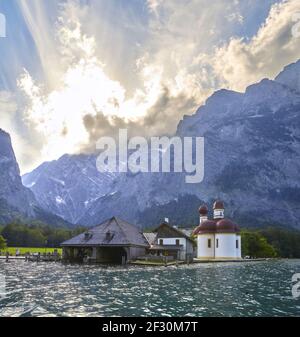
x: 252, y: 152
x: 12, y: 189
x: 17, y: 201
x: 252, y: 162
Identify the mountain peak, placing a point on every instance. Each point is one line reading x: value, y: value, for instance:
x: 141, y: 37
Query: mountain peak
x: 223, y: 95
x: 4, y: 134
x: 290, y: 76
x: 6, y: 149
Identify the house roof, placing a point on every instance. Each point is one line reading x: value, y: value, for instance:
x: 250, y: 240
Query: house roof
x: 174, y: 230
x: 150, y: 237
x: 112, y: 232
x: 187, y: 232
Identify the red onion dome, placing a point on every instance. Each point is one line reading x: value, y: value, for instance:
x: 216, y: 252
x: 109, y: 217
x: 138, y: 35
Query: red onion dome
x: 237, y: 228
x: 208, y: 226
x: 219, y: 205
x: 203, y: 210
x: 227, y: 226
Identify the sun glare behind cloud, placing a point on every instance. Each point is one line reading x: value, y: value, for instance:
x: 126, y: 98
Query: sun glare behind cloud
x: 92, y: 67
x: 83, y: 90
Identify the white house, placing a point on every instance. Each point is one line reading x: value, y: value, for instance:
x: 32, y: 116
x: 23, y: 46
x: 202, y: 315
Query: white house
x: 170, y: 242
x: 218, y: 238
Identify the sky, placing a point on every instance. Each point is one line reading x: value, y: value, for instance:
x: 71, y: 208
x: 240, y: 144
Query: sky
x: 72, y: 71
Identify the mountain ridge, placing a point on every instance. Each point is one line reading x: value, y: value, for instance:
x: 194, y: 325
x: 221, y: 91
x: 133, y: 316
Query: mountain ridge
x: 252, y: 160
x: 16, y: 201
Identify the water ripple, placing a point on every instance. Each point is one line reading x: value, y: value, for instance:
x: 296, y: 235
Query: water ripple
x: 248, y: 289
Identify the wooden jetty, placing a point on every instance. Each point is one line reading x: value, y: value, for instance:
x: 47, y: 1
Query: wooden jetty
x: 32, y: 258
x: 12, y: 258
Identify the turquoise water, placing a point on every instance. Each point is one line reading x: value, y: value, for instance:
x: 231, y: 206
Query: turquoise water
x: 221, y: 289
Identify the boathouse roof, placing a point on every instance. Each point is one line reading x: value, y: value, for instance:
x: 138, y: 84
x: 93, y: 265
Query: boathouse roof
x: 112, y: 232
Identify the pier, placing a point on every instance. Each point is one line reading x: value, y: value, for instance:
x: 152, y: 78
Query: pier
x: 33, y: 258
x: 13, y: 258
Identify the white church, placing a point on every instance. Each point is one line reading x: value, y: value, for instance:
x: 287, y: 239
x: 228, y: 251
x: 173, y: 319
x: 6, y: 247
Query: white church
x: 218, y: 238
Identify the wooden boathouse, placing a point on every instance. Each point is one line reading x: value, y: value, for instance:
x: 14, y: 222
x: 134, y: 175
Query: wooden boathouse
x: 114, y: 241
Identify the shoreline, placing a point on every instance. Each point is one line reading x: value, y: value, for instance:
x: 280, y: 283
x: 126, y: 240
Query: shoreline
x: 161, y: 264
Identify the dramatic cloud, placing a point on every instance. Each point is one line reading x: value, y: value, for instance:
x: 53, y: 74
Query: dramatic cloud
x: 241, y: 62
x: 80, y: 101
x: 84, y: 89
x: 24, y: 147
x: 154, y: 5
x: 142, y: 66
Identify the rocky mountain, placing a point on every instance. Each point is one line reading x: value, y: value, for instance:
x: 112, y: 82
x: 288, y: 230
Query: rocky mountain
x: 17, y: 201
x: 252, y: 162
x: 69, y: 186
x: 12, y: 190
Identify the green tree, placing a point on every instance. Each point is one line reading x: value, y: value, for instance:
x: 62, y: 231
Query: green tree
x: 286, y: 241
x: 2, y: 243
x: 18, y: 235
x: 37, y: 235
x: 255, y: 245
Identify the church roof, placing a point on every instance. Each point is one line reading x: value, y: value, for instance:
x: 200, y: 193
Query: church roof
x: 218, y: 204
x: 208, y: 226
x: 227, y: 226
x: 203, y: 210
x: 112, y: 232
x: 217, y: 226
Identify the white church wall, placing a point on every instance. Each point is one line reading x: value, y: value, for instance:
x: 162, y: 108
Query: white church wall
x: 203, y: 249
x: 239, y: 249
x: 226, y: 245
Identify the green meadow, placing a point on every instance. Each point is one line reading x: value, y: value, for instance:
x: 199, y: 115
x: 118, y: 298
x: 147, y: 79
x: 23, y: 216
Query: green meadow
x: 23, y: 250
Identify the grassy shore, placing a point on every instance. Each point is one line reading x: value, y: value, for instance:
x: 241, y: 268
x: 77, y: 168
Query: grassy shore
x: 23, y: 250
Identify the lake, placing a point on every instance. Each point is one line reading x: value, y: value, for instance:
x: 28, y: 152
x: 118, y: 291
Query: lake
x: 214, y: 289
